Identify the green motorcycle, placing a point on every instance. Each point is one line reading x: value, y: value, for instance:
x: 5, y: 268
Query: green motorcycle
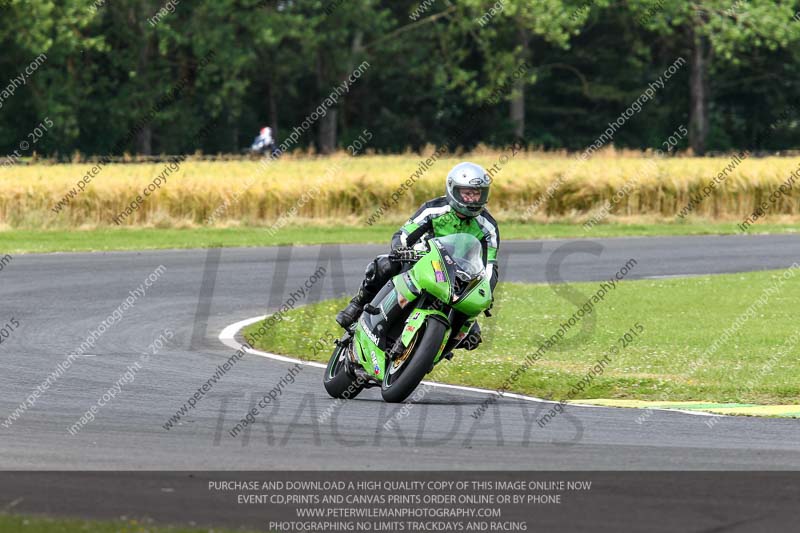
x: 418, y: 316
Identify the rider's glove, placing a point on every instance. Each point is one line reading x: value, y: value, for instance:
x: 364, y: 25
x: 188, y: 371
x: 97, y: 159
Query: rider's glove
x: 405, y: 254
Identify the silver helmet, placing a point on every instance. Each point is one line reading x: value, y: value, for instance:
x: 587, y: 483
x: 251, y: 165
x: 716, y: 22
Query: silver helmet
x: 468, y: 176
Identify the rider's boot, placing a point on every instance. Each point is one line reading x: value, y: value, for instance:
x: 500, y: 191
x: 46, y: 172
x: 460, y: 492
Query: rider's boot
x: 347, y: 316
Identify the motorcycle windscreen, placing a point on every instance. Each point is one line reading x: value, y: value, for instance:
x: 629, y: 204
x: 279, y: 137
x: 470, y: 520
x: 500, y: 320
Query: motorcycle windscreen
x: 466, y: 251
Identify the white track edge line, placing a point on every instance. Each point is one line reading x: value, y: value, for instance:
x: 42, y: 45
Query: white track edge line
x: 228, y: 337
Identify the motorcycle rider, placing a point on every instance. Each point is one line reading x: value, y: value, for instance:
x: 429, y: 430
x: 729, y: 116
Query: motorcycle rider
x: 264, y: 143
x: 461, y: 210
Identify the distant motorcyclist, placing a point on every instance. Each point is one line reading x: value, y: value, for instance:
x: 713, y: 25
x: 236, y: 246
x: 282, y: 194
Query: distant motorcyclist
x: 461, y: 210
x: 264, y: 143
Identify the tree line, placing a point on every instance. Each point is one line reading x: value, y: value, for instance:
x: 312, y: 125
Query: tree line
x: 141, y: 76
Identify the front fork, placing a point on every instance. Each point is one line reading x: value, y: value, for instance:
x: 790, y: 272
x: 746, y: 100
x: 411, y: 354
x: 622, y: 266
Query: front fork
x: 461, y: 323
x: 415, y: 323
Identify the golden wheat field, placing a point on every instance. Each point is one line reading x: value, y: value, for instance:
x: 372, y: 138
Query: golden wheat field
x: 534, y: 186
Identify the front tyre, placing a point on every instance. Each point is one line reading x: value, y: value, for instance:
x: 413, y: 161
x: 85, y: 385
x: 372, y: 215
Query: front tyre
x: 400, y: 382
x: 338, y: 379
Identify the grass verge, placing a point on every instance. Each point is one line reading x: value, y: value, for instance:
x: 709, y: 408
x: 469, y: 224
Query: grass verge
x: 681, y: 318
x: 103, y: 239
x: 30, y: 524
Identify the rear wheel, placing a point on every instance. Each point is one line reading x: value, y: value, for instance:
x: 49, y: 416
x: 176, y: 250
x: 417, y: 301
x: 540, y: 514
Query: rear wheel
x: 404, y: 373
x: 339, y: 380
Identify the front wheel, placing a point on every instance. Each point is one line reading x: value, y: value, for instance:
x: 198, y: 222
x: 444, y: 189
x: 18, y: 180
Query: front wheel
x: 404, y: 373
x: 339, y: 380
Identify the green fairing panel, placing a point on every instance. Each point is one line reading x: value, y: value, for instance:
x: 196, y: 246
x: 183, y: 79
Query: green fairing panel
x: 416, y: 320
x: 425, y: 272
x: 366, y: 347
x: 478, y: 299
x: 403, y: 289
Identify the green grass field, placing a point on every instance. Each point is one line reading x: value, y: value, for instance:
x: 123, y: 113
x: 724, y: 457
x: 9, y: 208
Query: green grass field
x: 40, y: 241
x: 681, y: 318
x: 30, y: 524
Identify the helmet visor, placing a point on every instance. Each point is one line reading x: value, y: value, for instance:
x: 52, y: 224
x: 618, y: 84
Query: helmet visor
x: 472, y: 196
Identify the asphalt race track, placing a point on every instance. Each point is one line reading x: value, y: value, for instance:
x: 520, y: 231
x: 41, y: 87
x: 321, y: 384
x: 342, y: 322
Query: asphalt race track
x: 53, y: 301
x: 58, y: 298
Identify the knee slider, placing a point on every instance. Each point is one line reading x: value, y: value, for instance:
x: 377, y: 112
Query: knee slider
x: 385, y: 267
x: 378, y: 273
x: 380, y: 268
x: 369, y: 273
